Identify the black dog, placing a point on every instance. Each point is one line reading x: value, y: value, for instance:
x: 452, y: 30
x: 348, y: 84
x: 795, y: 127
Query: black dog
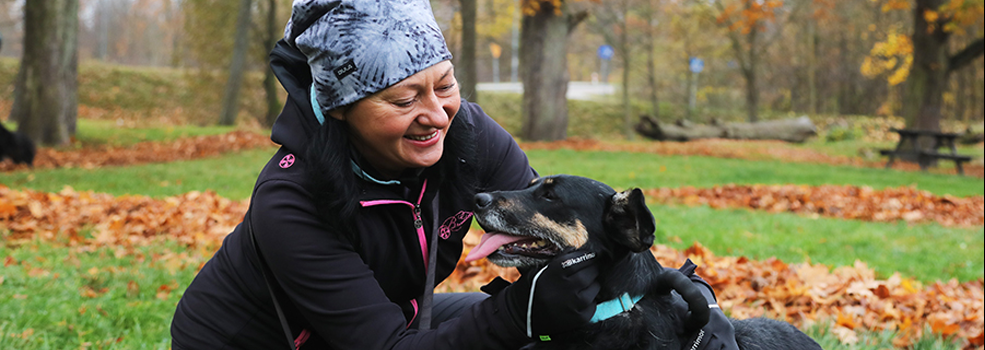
x: 16, y: 146
x: 527, y: 228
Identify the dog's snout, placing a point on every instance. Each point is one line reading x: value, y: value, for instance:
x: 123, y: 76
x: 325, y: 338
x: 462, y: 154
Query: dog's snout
x: 483, y: 200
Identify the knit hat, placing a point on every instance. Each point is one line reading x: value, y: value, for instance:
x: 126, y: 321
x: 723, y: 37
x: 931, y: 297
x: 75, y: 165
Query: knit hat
x: 356, y: 48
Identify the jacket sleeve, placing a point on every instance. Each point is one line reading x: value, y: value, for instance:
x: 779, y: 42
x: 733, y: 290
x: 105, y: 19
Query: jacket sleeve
x: 336, y: 292
x: 503, y: 165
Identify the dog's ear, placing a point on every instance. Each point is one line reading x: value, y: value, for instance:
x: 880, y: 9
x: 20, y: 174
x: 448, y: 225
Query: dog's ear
x: 629, y: 220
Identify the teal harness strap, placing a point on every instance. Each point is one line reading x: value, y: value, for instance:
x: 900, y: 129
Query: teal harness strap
x: 616, y: 306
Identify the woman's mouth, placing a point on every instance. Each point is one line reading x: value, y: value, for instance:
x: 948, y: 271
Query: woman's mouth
x: 423, y: 138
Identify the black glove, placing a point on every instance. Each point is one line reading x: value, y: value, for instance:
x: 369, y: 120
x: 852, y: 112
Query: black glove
x: 556, y: 298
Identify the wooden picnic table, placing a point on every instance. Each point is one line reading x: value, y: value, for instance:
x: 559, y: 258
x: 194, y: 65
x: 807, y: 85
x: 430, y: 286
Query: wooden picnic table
x: 926, y: 157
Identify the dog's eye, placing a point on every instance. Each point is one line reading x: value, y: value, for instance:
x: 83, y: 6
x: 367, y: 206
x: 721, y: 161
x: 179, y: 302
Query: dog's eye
x: 548, y: 195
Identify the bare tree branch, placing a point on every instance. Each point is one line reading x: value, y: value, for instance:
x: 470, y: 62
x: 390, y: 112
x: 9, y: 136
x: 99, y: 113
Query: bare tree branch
x: 966, y: 56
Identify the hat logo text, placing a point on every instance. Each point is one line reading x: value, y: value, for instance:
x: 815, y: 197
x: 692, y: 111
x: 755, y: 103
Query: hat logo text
x: 344, y: 70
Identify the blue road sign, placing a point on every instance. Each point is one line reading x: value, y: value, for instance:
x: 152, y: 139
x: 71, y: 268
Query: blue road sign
x: 606, y: 52
x: 697, y: 65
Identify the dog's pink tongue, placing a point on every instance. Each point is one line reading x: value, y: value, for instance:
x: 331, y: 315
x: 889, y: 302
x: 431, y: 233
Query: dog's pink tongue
x: 488, y: 244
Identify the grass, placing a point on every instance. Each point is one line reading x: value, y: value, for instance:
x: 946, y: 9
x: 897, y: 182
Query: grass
x: 107, y: 132
x: 912, y: 250
x: 624, y: 170
x: 231, y: 176
x: 47, y: 303
x: 758, y: 235
x: 878, y: 341
x: 59, y: 297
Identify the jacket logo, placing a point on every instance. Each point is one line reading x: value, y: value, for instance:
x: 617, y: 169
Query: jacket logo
x: 345, y: 69
x: 453, y: 223
x: 287, y: 161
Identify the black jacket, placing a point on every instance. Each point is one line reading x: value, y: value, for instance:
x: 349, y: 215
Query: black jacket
x: 348, y: 295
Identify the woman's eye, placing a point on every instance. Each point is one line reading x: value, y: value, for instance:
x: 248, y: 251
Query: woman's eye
x: 403, y: 103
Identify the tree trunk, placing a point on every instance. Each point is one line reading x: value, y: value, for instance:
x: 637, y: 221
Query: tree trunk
x: 922, y: 95
x: 544, y: 71
x: 795, y: 130
x: 627, y: 123
x: 46, y: 90
x: 651, y: 67
x: 752, y: 90
x: 270, y: 87
x: 466, y: 70
x: 812, y: 39
x: 237, y: 65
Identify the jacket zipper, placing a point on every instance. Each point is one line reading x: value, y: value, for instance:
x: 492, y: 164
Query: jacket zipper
x: 418, y: 226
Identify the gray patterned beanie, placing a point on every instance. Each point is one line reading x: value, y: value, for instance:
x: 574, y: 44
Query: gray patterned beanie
x: 358, y: 47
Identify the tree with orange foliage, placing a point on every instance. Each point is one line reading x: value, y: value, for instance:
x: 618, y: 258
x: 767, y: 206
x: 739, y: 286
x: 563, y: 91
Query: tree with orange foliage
x: 746, y: 21
x: 921, y: 59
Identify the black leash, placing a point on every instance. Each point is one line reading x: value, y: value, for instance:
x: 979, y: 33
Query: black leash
x: 273, y: 297
x: 428, y: 299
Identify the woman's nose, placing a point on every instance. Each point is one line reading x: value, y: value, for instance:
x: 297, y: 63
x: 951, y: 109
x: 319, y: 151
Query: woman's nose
x: 435, y: 113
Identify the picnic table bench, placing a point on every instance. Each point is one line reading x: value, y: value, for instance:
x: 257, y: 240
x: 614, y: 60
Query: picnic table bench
x: 926, y: 156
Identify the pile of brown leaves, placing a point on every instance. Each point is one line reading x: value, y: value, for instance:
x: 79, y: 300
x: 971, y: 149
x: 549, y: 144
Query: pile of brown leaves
x: 145, y: 152
x: 846, y: 300
x: 193, y: 219
x: 737, y: 149
x: 846, y: 202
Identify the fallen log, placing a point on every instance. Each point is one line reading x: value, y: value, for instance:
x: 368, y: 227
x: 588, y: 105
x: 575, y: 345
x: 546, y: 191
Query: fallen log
x: 972, y: 136
x: 795, y: 130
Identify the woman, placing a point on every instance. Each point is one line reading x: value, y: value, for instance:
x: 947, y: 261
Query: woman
x: 364, y: 207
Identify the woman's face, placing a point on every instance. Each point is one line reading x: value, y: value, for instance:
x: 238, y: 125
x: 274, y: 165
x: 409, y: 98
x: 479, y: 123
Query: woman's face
x: 404, y: 125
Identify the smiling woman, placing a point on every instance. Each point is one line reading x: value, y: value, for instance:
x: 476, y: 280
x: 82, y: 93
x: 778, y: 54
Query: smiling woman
x: 362, y: 210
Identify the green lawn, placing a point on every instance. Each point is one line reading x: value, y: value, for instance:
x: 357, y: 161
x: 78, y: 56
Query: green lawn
x: 58, y: 297
x: 926, y: 252
x: 107, y: 132
x: 888, y: 247
x: 624, y: 170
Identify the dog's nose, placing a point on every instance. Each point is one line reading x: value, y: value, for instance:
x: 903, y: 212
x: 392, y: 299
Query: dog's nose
x: 483, y: 200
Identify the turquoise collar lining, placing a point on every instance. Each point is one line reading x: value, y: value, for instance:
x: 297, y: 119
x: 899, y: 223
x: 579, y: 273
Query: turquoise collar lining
x: 316, y: 107
x: 613, y: 307
x: 362, y: 174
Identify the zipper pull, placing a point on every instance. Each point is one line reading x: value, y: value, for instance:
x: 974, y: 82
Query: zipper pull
x: 418, y: 223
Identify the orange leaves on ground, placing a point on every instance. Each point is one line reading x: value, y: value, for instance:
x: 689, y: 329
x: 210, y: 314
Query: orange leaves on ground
x: 849, y: 298
x: 144, y: 152
x: 193, y: 219
x: 164, y: 291
x: 847, y: 202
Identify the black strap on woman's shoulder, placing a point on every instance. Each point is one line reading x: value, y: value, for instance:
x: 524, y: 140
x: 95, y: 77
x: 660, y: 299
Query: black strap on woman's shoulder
x: 266, y: 280
x: 427, y: 301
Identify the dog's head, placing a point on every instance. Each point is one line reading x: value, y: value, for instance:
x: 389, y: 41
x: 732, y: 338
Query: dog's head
x: 528, y: 227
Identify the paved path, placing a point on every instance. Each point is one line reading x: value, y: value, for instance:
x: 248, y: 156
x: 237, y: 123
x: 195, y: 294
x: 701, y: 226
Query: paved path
x: 577, y: 90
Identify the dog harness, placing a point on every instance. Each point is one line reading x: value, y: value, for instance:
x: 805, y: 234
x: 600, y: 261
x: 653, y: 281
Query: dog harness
x: 610, y: 308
